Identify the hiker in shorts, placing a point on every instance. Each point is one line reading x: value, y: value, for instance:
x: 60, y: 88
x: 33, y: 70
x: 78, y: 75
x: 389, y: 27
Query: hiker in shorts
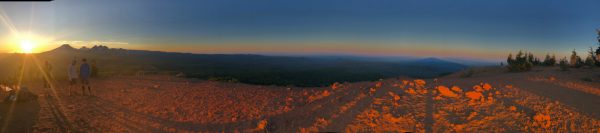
x: 72, y: 73
x: 84, y: 76
x: 47, y: 74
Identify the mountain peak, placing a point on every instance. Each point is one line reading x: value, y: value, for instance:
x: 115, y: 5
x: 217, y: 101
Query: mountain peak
x: 64, y: 47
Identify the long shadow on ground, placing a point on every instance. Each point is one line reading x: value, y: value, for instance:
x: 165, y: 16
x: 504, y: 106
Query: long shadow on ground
x: 22, y: 118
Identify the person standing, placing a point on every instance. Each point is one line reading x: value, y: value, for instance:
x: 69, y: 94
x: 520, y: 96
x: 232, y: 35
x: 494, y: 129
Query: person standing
x: 72, y: 73
x: 94, y: 69
x: 47, y: 74
x: 84, y: 76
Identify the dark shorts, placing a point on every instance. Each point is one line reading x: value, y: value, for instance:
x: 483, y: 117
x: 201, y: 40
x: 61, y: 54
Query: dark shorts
x: 85, y: 80
x: 73, y: 81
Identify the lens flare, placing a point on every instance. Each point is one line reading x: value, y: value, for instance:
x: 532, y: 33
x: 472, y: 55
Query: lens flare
x: 27, y: 46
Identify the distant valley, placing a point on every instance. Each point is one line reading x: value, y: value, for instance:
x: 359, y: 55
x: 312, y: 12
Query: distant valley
x: 245, y: 68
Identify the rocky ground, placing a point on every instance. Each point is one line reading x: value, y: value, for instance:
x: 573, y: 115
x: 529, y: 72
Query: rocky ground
x: 543, y: 100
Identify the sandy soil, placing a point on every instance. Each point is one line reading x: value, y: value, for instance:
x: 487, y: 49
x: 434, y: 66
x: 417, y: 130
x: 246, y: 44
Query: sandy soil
x: 543, y: 100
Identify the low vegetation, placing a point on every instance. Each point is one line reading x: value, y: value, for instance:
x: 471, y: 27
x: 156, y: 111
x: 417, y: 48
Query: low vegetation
x: 522, y: 62
x: 526, y: 61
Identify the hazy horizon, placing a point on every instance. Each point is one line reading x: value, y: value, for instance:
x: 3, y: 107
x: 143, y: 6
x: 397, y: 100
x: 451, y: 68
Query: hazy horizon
x: 442, y: 29
x: 285, y: 66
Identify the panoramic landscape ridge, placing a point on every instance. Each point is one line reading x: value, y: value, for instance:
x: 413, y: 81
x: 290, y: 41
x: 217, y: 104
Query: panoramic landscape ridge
x: 299, y: 66
x: 249, y: 68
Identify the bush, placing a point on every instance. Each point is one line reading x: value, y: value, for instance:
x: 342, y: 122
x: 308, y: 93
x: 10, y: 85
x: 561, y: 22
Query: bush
x: 521, y: 62
x: 588, y: 79
x: 589, y: 61
x: 564, y: 65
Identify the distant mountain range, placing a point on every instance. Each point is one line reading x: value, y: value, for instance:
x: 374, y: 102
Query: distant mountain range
x: 251, y: 68
x: 463, y: 61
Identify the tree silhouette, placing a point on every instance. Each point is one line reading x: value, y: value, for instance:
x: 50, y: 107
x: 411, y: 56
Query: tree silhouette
x: 598, y: 49
x: 590, y: 59
x: 575, y: 60
x: 549, y: 61
x: 564, y: 65
x: 510, y: 59
x: 522, y: 62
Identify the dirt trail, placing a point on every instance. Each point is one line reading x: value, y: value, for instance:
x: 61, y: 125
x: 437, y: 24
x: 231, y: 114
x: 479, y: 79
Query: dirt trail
x: 307, y: 117
x: 584, y: 102
x: 59, y: 116
x: 346, y: 118
x: 429, y: 108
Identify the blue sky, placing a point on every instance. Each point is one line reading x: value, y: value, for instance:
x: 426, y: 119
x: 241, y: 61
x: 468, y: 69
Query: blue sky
x: 457, y: 28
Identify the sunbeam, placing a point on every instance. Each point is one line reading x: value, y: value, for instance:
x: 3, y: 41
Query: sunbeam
x: 27, y: 42
x: 12, y: 104
x: 8, y: 23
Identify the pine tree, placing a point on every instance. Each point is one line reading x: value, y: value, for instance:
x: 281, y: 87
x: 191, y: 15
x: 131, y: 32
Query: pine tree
x: 575, y: 60
x: 590, y: 59
x: 522, y: 62
x: 549, y: 61
x: 598, y: 56
x: 511, y: 62
x: 553, y: 60
x: 598, y: 49
x: 510, y: 59
x: 530, y: 58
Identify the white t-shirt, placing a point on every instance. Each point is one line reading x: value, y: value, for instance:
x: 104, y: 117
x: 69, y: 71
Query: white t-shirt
x: 72, y: 72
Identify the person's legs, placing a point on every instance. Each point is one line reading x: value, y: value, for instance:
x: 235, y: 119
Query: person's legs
x: 69, y: 88
x: 46, y: 81
x: 86, y: 82
x: 83, y: 90
x: 90, y: 90
x: 72, y: 83
x: 83, y: 86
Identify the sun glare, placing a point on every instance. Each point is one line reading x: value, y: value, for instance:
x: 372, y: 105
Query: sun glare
x: 29, y: 43
x: 27, y: 46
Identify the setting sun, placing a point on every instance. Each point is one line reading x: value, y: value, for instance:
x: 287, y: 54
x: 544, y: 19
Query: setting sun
x: 30, y: 43
x: 27, y: 46
x: 299, y: 66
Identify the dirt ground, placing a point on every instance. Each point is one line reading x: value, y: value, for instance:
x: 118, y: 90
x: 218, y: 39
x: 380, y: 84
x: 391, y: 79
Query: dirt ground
x: 491, y: 100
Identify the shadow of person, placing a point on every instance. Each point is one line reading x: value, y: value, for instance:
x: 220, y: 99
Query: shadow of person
x: 18, y: 116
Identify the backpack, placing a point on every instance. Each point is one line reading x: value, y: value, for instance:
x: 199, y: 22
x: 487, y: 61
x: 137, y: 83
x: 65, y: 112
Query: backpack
x: 22, y: 95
